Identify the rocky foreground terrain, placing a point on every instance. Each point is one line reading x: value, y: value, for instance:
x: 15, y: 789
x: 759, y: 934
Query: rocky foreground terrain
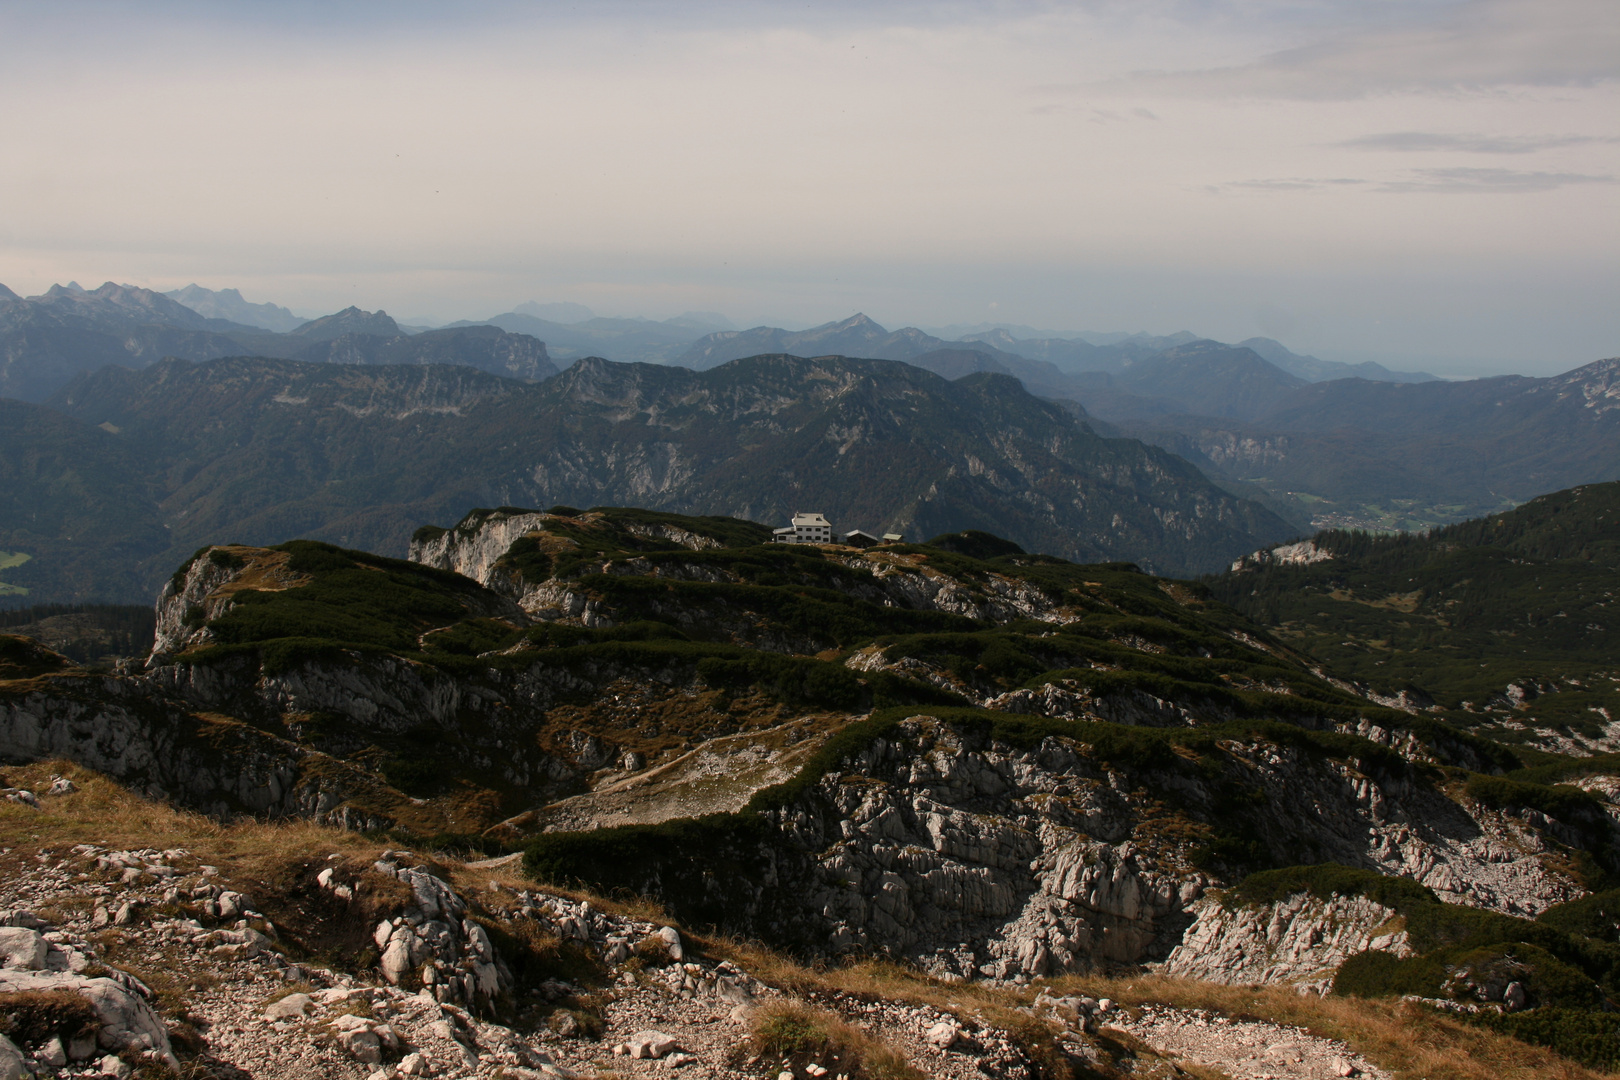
x: 619, y: 793
x: 141, y: 961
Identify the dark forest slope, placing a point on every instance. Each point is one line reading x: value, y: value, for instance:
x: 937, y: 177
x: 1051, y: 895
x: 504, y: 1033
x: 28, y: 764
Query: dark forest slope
x: 1518, y: 613
x: 259, y: 450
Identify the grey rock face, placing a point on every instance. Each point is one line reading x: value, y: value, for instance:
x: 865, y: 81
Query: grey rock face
x: 983, y: 860
x: 187, y: 599
x: 1300, y: 940
x: 473, y: 550
x: 473, y: 553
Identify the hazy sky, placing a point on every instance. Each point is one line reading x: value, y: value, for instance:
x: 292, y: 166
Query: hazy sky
x: 1412, y: 181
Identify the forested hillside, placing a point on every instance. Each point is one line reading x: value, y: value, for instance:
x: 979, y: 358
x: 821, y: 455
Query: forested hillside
x: 264, y: 450
x: 1517, y: 613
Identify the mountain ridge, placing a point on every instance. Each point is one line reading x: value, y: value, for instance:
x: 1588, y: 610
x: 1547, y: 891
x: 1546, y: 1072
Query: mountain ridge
x: 357, y: 454
x: 229, y: 304
x: 47, y: 340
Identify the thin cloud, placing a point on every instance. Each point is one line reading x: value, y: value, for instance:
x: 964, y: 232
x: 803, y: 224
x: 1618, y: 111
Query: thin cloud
x: 1428, y: 181
x: 1414, y: 141
x: 1295, y: 183
x: 1497, y: 181
x: 1480, y: 45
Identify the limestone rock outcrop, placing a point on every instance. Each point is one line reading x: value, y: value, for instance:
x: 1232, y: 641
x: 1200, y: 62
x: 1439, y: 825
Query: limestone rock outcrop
x: 473, y: 547
x: 435, y: 943
x: 1301, y: 940
x: 980, y: 859
x: 126, y: 1022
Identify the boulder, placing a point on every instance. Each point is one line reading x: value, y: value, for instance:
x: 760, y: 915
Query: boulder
x: 396, y: 958
x: 1515, y: 997
x: 54, y: 1053
x: 291, y: 1007
x: 13, y: 1066
x: 22, y: 949
x: 363, y: 1046
x: 127, y: 1022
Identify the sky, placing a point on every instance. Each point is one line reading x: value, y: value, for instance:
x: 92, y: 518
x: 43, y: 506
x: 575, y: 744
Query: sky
x: 1430, y: 184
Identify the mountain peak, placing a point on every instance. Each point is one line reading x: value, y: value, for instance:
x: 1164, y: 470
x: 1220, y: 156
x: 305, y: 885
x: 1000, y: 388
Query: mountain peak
x: 351, y: 320
x: 858, y: 321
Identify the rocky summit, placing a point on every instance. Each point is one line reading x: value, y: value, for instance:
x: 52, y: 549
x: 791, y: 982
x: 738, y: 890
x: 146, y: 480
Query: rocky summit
x: 622, y: 792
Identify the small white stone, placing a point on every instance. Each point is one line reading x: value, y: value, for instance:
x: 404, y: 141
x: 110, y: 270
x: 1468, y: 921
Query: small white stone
x: 291, y: 1007
x: 54, y: 1053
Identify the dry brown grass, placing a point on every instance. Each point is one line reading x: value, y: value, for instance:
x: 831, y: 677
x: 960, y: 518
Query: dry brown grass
x: 274, y: 863
x: 874, y: 979
x: 31, y: 1018
x: 795, y: 1032
x: 102, y: 812
x: 1410, y: 1041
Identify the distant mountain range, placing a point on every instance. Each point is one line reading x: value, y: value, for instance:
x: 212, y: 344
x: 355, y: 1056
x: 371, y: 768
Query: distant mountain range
x: 630, y: 340
x: 563, y: 312
x: 228, y: 304
x: 126, y: 472
x: 1134, y: 377
x: 47, y: 340
x: 1321, y: 444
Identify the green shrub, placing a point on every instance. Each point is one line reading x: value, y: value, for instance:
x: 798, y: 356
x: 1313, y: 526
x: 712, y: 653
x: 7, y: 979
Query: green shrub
x: 1596, y: 916
x: 474, y: 636
x: 1562, y: 801
x: 1382, y: 974
x: 413, y: 776
x: 1584, y: 1035
x: 975, y: 544
x: 1327, y: 880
